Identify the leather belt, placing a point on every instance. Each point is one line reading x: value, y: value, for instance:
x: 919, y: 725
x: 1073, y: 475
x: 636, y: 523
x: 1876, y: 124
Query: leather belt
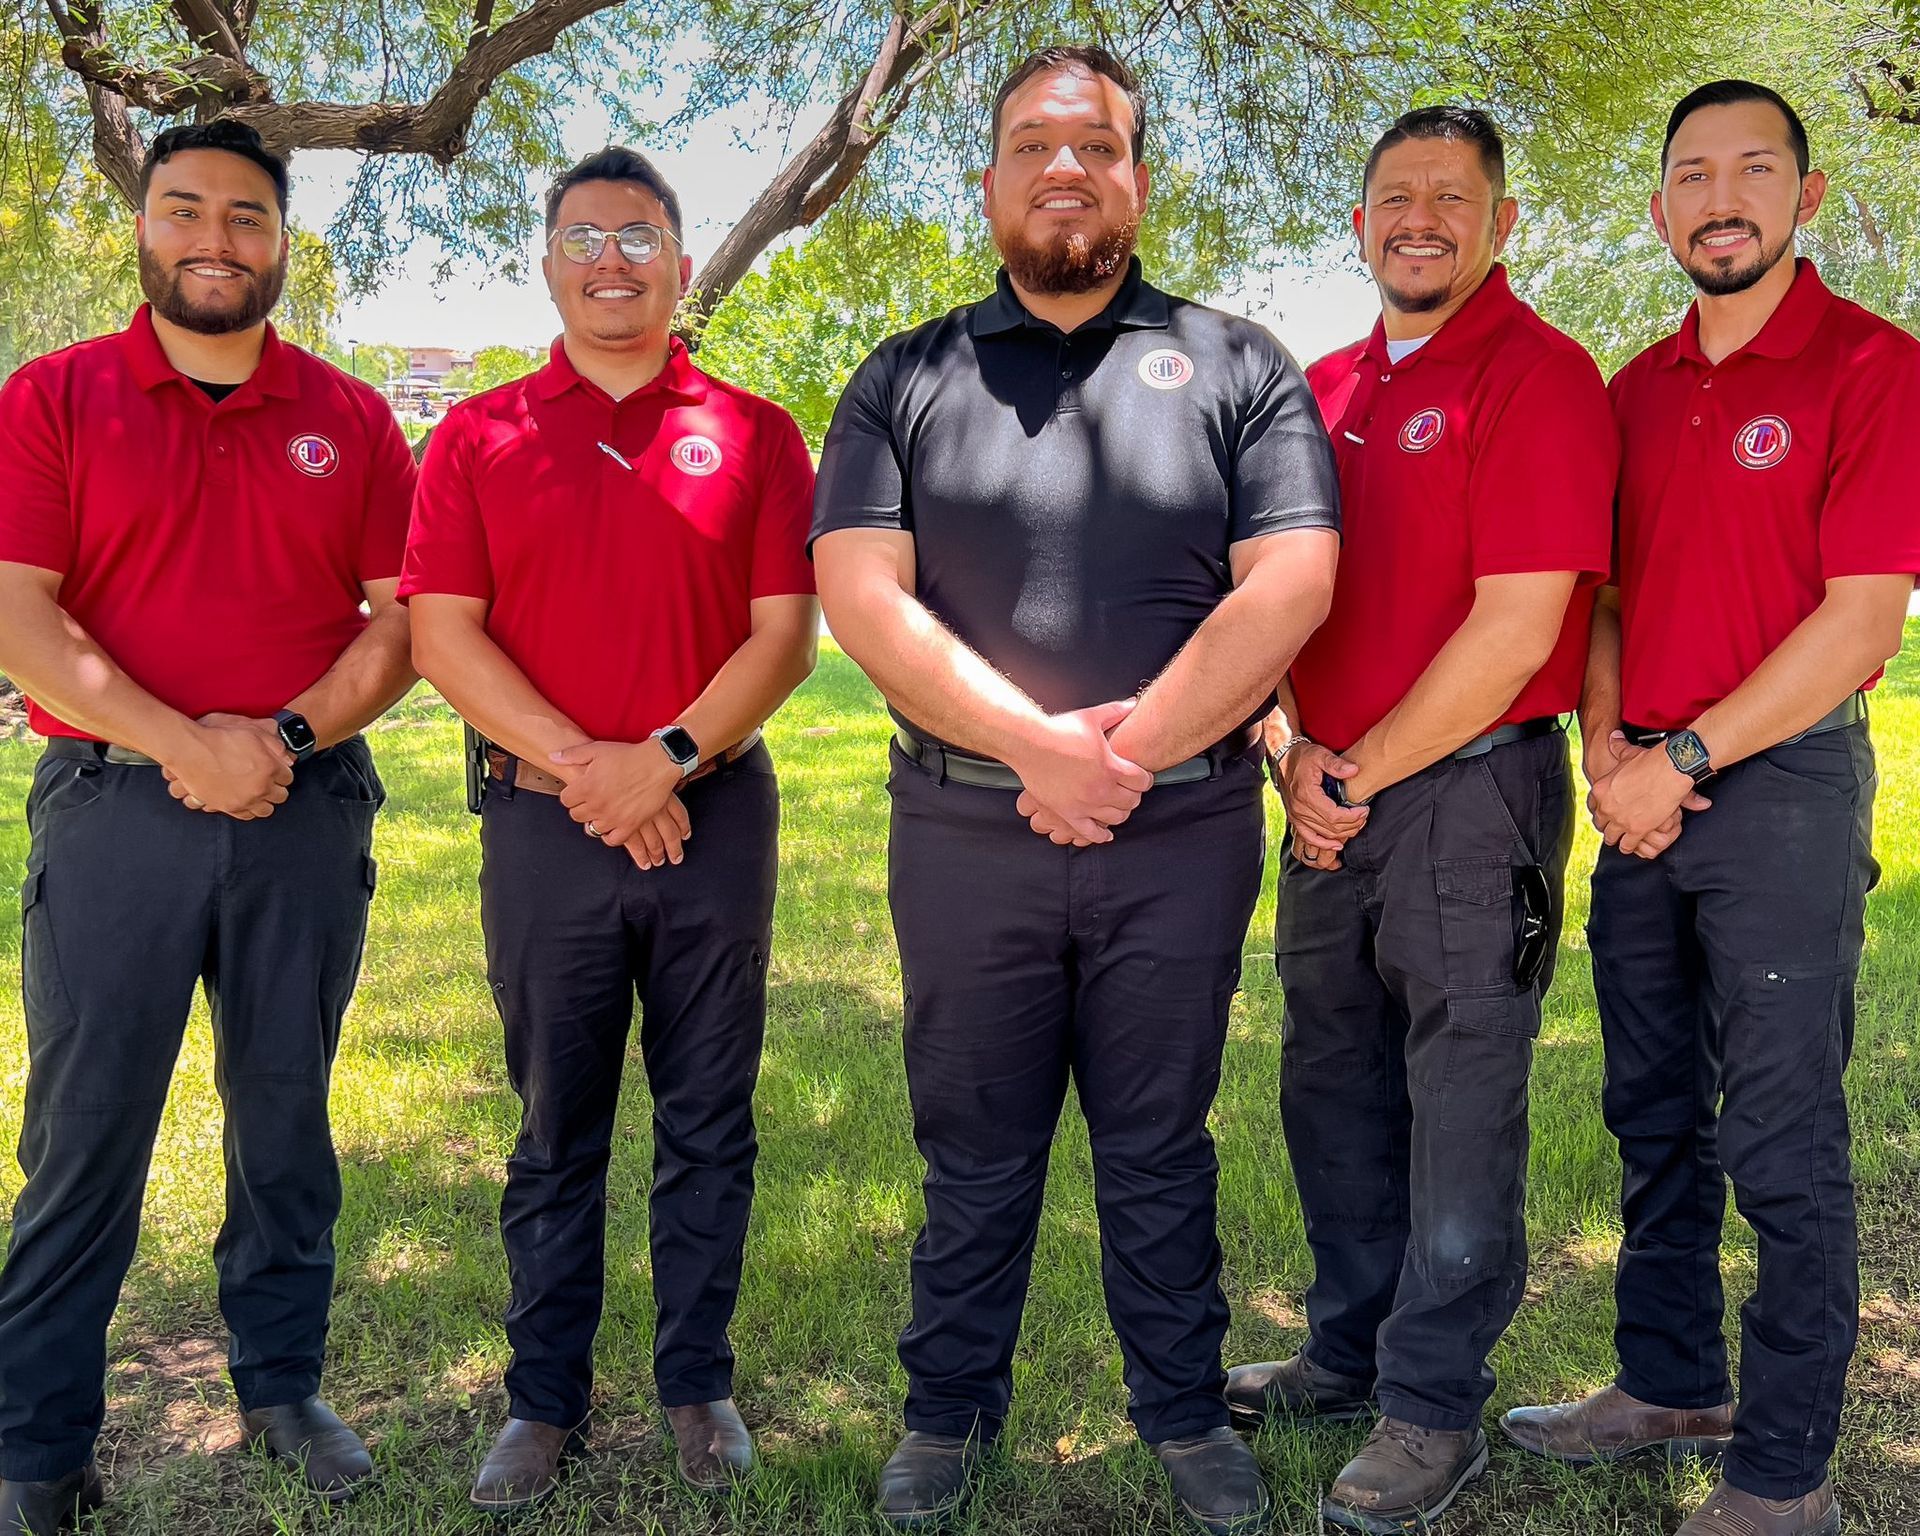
x: 1519, y: 730
x: 526, y: 776
x: 1849, y: 711
x: 989, y: 773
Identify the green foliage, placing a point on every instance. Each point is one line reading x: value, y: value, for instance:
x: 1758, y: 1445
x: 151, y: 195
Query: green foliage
x: 494, y: 366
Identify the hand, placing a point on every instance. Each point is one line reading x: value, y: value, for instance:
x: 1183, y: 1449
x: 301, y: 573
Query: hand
x: 1072, y: 772
x: 618, y: 788
x: 658, y: 842
x: 1048, y: 825
x: 1637, y: 806
x: 1601, y: 754
x: 234, y: 765
x: 1320, y: 825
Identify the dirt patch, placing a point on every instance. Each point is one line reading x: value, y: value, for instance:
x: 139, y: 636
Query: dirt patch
x: 13, y: 711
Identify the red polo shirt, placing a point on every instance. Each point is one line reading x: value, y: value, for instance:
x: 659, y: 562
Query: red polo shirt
x: 1488, y: 452
x: 216, y: 552
x: 1747, y: 485
x: 618, y: 544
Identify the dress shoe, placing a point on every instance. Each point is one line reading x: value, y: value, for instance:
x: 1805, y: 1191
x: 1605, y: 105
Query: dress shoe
x: 524, y: 1466
x: 1609, y: 1424
x: 50, y: 1507
x: 309, y: 1437
x: 1729, y: 1512
x: 1294, y: 1388
x: 1217, y: 1482
x: 715, y: 1450
x: 1403, y: 1477
x: 927, y: 1478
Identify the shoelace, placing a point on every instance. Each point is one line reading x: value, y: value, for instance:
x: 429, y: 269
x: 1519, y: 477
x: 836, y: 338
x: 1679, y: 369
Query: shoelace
x: 1412, y: 1438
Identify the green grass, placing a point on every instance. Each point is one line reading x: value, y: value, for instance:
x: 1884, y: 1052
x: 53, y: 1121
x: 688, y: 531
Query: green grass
x: 424, y: 1120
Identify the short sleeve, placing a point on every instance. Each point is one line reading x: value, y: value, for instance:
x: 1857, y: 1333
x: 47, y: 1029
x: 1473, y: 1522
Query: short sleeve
x: 1547, y: 459
x: 36, y: 513
x: 1869, y: 525
x: 390, y: 486
x: 447, y: 543
x: 780, y: 564
x: 862, y: 481
x: 1283, y: 474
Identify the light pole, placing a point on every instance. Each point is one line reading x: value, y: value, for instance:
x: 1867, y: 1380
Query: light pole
x: 353, y: 357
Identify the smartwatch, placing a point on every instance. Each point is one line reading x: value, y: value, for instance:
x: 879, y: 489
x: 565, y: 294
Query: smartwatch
x: 1688, y: 753
x: 296, y: 735
x: 681, y: 749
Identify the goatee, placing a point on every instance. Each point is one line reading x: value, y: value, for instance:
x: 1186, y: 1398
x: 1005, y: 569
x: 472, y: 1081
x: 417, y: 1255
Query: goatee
x: 1069, y: 263
x: 1717, y: 281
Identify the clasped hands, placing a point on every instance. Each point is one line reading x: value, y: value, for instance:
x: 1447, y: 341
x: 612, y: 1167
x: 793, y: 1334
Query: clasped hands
x: 1320, y: 825
x: 624, y: 793
x: 231, y: 765
x: 1637, y: 795
x: 1078, y: 783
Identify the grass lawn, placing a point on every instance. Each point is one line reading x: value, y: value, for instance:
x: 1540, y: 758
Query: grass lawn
x: 424, y: 1121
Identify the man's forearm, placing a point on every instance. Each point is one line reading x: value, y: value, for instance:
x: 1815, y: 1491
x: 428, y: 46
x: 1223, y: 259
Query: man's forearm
x: 1828, y: 655
x: 489, y: 691
x: 367, y: 679
x: 63, y: 669
x: 755, y: 682
x: 1600, y: 693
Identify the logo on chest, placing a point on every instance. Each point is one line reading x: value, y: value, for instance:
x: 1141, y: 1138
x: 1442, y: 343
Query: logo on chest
x: 1423, y: 430
x: 1762, y: 442
x: 695, y: 455
x: 313, y: 455
x: 1164, y: 368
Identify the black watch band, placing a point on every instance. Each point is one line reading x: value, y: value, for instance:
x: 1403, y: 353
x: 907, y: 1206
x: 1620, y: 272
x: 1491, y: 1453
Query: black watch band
x: 295, y: 734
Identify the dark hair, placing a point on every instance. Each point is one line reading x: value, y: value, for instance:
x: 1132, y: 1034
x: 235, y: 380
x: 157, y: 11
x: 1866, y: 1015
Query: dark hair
x: 1467, y: 124
x: 223, y: 134
x: 1088, y: 62
x: 1724, y: 93
x: 615, y: 163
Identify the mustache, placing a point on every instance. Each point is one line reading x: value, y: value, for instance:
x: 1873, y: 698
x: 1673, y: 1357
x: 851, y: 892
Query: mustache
x: 208, y: 261
x: 1445, y: 244
x: 1724, y: 227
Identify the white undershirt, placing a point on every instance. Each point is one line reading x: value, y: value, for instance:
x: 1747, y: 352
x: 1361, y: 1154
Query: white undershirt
x: 1400, y: 351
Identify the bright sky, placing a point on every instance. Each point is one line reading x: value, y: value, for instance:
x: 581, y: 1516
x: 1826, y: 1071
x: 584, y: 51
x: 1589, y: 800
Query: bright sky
x: 1312, y: 308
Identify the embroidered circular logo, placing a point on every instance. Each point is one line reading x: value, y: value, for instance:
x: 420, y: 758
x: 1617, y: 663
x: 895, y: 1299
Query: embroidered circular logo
x: 313, y: 455
x: 695, y: 455
x: 1165, y: 368
x: 1762, y: 442
x: 1423, y: 430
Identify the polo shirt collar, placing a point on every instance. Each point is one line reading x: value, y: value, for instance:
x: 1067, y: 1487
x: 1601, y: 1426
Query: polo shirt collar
x: 679, y: 378
x: 1137, y: 305
x: 1491, y: 305
x: 275, y: 374
x: 1787, y: 331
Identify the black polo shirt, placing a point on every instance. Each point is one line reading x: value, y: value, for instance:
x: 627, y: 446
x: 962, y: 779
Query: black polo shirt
x: 1072, y: 496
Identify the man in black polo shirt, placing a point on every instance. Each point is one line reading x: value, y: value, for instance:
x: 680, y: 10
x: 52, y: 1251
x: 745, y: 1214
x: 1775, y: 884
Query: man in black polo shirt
x: 1074, y: 533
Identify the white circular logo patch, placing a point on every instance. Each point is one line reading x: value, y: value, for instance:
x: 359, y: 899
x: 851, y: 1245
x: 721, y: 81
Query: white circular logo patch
x: 1762, y: 442
x: 1164, y: 368
x: 695, y: 455
x: 313, y: 455
x: 1423, y: 430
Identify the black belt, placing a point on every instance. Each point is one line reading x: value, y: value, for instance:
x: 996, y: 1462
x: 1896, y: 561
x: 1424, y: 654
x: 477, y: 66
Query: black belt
x: 988, y: 773
x: 1849, y: 711
x: 99, y: 752
x: 1520, y: 730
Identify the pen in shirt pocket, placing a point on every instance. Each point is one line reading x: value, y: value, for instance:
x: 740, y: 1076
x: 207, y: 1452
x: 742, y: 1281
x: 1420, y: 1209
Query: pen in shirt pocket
x: 616, y: 455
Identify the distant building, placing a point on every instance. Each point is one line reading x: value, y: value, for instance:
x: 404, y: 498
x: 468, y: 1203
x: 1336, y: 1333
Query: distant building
x: 431, y: 365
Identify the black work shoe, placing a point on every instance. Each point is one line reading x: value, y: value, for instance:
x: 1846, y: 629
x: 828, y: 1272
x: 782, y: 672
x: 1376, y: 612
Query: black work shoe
x: 1217, y: 1482
x: 927, y: 1478
x: 310, y: 1438
x: 1403, y: 1477
x: 50, y: 1507
x: 1295, y: 1388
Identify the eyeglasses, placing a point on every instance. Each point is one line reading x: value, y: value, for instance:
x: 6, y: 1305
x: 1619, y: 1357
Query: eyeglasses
x: 1532, y: 940
x: 639, y: 243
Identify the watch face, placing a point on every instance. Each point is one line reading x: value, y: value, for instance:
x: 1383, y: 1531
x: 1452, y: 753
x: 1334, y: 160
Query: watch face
x: 1686, y: 752
x: 297, y: 734
x: 679, y: 744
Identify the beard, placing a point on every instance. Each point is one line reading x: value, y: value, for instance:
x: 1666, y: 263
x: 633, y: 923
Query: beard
x: 1420, y: 301
x: 1716, y: 279
x: 162, y: 288
x: 1069, y: 262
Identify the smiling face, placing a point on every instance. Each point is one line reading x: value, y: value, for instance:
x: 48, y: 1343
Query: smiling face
x: 611, y: 302
x: 1432, y: 224
x: 1064, y: 195
x: 213, y: 249
x: 1732, y: 195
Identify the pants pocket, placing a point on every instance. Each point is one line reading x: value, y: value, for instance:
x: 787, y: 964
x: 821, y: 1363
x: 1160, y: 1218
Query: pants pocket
x: 1489, y: 1060
x: 1476, y: 899
x: 43, y: 986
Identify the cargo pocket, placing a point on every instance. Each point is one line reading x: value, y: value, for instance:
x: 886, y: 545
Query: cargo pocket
x: 1489, y: 1059
x: 43, y: 985
x: 1476, y: 923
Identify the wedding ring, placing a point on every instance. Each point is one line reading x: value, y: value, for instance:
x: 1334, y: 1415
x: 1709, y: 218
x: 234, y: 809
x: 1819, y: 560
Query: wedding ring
x: 592, y: 830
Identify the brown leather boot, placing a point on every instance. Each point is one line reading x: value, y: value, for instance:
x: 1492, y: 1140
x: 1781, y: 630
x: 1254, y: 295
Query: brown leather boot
x: 1609, y: 1425
x: 1403, y: 1477
x: 714, y: 1447
x: 1729, y: 1512
x: 1294, y: 1388
x: 524, y: 1465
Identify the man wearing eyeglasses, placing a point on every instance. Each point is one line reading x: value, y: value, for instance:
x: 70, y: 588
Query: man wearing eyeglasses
x: 1425, y: 772
x: 608, y: 579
